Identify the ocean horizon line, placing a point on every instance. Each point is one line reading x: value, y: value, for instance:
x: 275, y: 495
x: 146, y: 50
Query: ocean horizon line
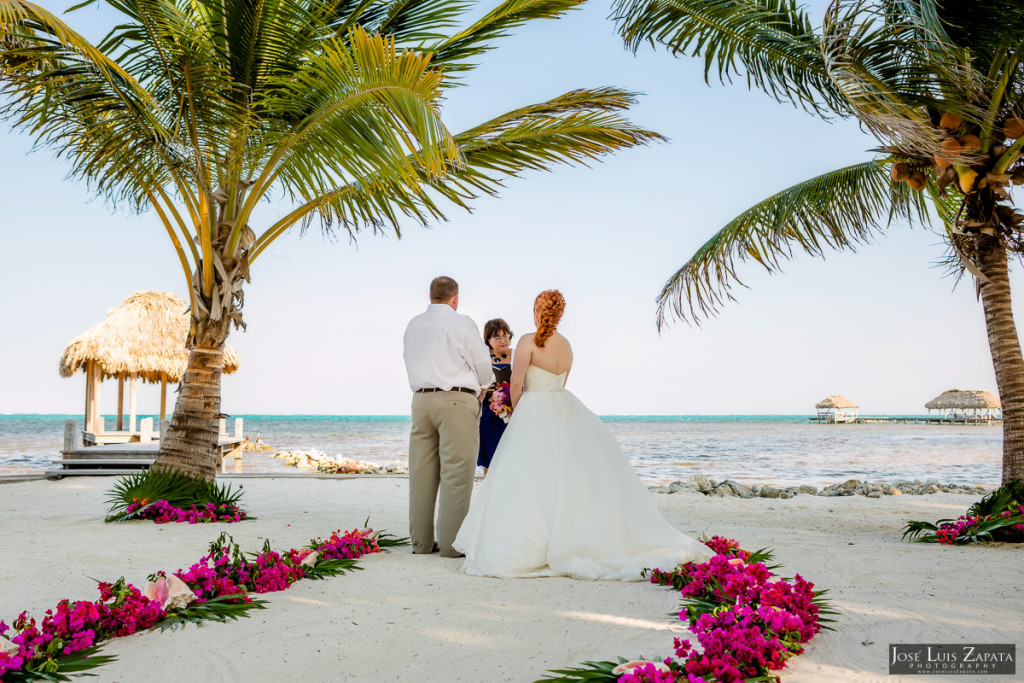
x: 807, y: 414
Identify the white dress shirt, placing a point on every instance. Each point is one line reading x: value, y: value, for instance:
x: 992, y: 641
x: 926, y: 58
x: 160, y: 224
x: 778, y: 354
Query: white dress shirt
x: 444, y: 350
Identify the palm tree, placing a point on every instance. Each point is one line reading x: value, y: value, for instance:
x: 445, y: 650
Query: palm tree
x: 200, y: 109
x: 939, y: 84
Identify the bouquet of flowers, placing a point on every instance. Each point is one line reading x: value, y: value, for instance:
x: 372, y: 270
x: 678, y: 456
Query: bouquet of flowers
x: 501, y: 401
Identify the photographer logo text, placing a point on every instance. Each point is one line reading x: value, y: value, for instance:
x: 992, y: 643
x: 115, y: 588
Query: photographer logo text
x: 906, y: 658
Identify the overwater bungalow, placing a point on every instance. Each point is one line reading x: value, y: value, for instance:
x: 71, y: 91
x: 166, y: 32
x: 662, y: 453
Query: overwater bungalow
x: 835, y: 409
x: 968, y: 405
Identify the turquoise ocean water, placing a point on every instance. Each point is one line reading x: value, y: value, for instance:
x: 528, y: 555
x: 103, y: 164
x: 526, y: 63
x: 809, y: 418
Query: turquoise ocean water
x: 773, y: 449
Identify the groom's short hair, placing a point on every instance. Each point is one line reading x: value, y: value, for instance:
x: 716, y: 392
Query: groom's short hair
x: 442, y: 289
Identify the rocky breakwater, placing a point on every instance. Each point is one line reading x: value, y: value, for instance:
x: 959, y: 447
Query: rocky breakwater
x: 729, y: 488
x: 321, y: 462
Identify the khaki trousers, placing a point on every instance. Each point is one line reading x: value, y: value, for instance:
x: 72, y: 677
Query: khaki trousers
x: 443, y: 448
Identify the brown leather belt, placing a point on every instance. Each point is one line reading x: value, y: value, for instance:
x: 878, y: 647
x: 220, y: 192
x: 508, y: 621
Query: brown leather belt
x: 432, y: 390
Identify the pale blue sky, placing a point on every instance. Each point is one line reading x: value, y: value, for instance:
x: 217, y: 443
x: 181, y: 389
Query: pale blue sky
x: 882, y: 326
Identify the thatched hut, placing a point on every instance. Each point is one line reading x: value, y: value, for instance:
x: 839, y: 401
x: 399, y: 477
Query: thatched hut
x: 143, y: 338
x: 836, y: 408
x: 962, y: 403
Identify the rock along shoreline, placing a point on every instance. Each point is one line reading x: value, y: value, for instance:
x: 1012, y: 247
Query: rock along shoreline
x: 729, y: 488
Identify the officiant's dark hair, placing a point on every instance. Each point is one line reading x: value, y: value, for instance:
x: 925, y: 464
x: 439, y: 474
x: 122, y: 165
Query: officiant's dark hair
x: 493, y: 327
x: 442, y: 289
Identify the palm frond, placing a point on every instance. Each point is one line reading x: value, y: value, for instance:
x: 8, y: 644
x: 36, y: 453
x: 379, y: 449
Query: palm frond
x: 1007, y: 497
x: 985, y: 28
x: 771, y: 43
x: 893, y: 70
x: 589, y: 672
x: 64, y: 668
x: 455, y: 52
x: 120, y: 119
x: 837, y: 210
x: 177, y: 489
x: 223, y: 608
x: 332, y: 567
x: 359, y: 110
x: 258, y: 40
x: 418, y: 23
x: 577, y: 127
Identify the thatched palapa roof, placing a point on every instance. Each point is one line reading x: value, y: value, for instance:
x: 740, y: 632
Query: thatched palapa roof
x: 964, y: 399
x: 836, y: 402
x: 144, y: 337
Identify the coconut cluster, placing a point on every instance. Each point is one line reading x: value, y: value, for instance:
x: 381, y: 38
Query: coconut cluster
x: 959, y: 144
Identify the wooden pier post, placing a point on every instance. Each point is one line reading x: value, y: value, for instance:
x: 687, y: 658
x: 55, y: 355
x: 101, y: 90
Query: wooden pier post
x: 131, y: 405
x: 163, y: 396
x: 120, y: 402
x: 146, y: 431
x: 72, y: 437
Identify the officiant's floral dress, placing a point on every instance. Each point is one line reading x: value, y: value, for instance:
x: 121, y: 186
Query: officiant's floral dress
x: 492, y: 426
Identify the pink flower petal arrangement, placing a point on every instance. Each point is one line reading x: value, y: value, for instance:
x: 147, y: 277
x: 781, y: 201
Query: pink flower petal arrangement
x: 747, y: 621
x: 218, y: 587
x: 162, y: 512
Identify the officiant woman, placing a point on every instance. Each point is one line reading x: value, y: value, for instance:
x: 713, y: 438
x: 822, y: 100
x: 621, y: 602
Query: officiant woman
x: 497, y: 405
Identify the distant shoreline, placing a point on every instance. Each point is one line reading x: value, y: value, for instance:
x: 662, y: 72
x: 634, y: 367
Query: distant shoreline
x: 611, y: 416
x: 777, y: 449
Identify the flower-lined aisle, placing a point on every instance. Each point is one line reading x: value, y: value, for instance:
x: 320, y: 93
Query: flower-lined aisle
x: 747, y: 620
x: 218, y: 587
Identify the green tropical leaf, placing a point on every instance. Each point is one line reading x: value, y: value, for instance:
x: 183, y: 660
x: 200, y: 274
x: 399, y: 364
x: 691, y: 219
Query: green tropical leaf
x: 454, y: 53
x: 770, y: 43
x: 177, y: 489
x: 223, y: 608
x: 577, y: 127
x: 332, y: 567
x: 60, y: 669
x: 386, y: 541
x: 837, y: 210
x: 590, y: 672
x: 923, y: 532
x: 1006, y: 498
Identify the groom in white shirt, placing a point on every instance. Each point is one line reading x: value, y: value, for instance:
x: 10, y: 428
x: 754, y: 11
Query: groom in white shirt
x: 448, y: 367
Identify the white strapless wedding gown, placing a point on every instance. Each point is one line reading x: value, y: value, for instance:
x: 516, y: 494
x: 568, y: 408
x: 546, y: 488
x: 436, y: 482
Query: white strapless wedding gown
x: 560, y: 498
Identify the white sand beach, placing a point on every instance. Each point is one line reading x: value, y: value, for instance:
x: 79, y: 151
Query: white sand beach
x: 417, y: 618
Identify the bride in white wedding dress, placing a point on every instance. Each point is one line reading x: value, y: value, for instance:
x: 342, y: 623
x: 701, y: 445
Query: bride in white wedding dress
x: 560, y: 498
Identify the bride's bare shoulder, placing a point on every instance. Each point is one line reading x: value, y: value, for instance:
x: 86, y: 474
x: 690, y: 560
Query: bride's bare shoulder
x: 562, y: 339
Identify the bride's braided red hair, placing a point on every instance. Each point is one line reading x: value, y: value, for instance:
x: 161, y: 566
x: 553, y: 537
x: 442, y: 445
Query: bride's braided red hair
x: 549, y: 306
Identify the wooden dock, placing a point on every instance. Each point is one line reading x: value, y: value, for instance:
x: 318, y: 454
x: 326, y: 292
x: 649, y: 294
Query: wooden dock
x: 126, y: 458
x: 881, y: 419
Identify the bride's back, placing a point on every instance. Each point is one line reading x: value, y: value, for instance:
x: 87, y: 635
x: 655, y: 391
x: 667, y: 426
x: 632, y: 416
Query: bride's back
x: 555, y: 356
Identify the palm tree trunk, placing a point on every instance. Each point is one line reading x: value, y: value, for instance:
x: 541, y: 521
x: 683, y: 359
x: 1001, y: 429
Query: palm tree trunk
x: 1006, y: 354
x: 190, y: 446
